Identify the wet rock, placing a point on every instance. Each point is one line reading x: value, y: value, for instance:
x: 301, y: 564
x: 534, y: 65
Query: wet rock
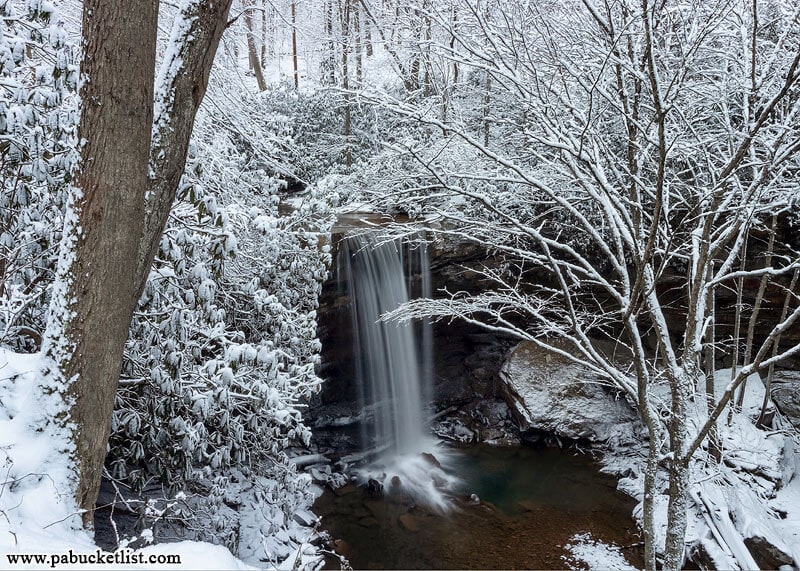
x: 492, y: 413
x: 374, y: 486
x: 368, y: 521
x: 409, y: 522
x: 492, y: 435
x: 547, y: 392
x: 396, y: 481
x: 431, y: 459
x: 438, y: 480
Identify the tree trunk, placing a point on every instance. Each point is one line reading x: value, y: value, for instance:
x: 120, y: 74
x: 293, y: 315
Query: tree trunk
x: 87, y: 334
x: 368, y: 38
x: 330, y: 65
x: 131, y: 164
x: 263, y: 34
x: 487, y: 101
x: 252, y: 53
x: 425, y: 50
x: 681, y: 388
x: 294, y: 45
x: 651, y: 421
x: 180, y: 95
x: 751, y: 324
x: 737, y: 320
x: 775, y: 348
x: 357, y: 43
x: 348, y: 157
x: 676, y: 513
x: 714, y: 446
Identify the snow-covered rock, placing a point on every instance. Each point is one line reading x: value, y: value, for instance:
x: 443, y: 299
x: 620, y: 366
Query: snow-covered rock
x: 548, y: 392
x: 785, y: 394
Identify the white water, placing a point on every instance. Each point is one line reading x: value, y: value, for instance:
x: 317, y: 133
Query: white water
x: 393, y: 366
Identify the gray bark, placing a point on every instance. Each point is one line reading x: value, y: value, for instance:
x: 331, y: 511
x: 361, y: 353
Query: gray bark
x: 116, y: 122
x: 171, y: 141
x: 252, y: 52
x: 127, y: 182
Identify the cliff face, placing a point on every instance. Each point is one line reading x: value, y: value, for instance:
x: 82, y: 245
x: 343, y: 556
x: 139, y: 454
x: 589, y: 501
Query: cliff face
x: 468, y: 359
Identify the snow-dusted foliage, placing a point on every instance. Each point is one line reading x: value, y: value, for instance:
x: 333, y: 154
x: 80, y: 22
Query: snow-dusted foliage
x: 38, y: 118
x: 223, y: 345
x: 314, y: 144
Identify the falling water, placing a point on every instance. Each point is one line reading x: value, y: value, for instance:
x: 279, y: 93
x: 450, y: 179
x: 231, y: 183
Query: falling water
x: 388, y: 371
x: 393, y: 365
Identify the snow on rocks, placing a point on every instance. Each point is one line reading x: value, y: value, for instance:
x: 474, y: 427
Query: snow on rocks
x: 785, y: 394
x: 746, y: 509
x: 547, y: 392
x: 585, y: 551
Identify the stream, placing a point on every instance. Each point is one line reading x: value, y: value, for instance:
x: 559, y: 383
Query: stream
x: 530, y: 503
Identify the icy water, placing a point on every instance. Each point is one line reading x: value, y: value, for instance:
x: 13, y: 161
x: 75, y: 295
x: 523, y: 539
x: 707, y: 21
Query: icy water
x: 531, y: 502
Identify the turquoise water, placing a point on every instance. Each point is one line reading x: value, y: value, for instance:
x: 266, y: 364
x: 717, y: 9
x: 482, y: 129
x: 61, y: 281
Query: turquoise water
x: 515, y: 476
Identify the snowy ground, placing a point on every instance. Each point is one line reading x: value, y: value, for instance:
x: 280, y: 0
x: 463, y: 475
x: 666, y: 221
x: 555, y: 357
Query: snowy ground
x: 753, y: 493
x: 585, y: 551
x: 37, y: 511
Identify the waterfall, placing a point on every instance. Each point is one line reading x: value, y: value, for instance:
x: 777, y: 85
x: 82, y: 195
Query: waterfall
x: 394, y: 366
x: 388, y: 370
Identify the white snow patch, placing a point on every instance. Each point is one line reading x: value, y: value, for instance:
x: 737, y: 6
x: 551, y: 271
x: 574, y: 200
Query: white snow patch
x: 754, y: 492
x: 587, y: 552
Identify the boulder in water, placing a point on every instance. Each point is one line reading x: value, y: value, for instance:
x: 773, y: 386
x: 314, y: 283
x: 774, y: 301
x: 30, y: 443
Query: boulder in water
x: 431, y: 459
x: 548, y: 392
x: 374, y: 486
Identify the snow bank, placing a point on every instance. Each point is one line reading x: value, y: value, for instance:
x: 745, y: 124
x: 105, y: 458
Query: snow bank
x: 746, y: 509
x: 36, y: 484
x: 38, y: 514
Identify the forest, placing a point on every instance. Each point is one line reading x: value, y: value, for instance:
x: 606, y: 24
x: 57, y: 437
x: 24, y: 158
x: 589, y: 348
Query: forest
x: 306, y: 284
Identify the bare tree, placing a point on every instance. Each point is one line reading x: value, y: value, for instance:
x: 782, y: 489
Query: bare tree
x: 296, y: 74
x: 357, y: 50
x: 252, y: 50
x: 265, y: 32
x: 636, y: 147
x: 329, y: 63
x: 345, y: 24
